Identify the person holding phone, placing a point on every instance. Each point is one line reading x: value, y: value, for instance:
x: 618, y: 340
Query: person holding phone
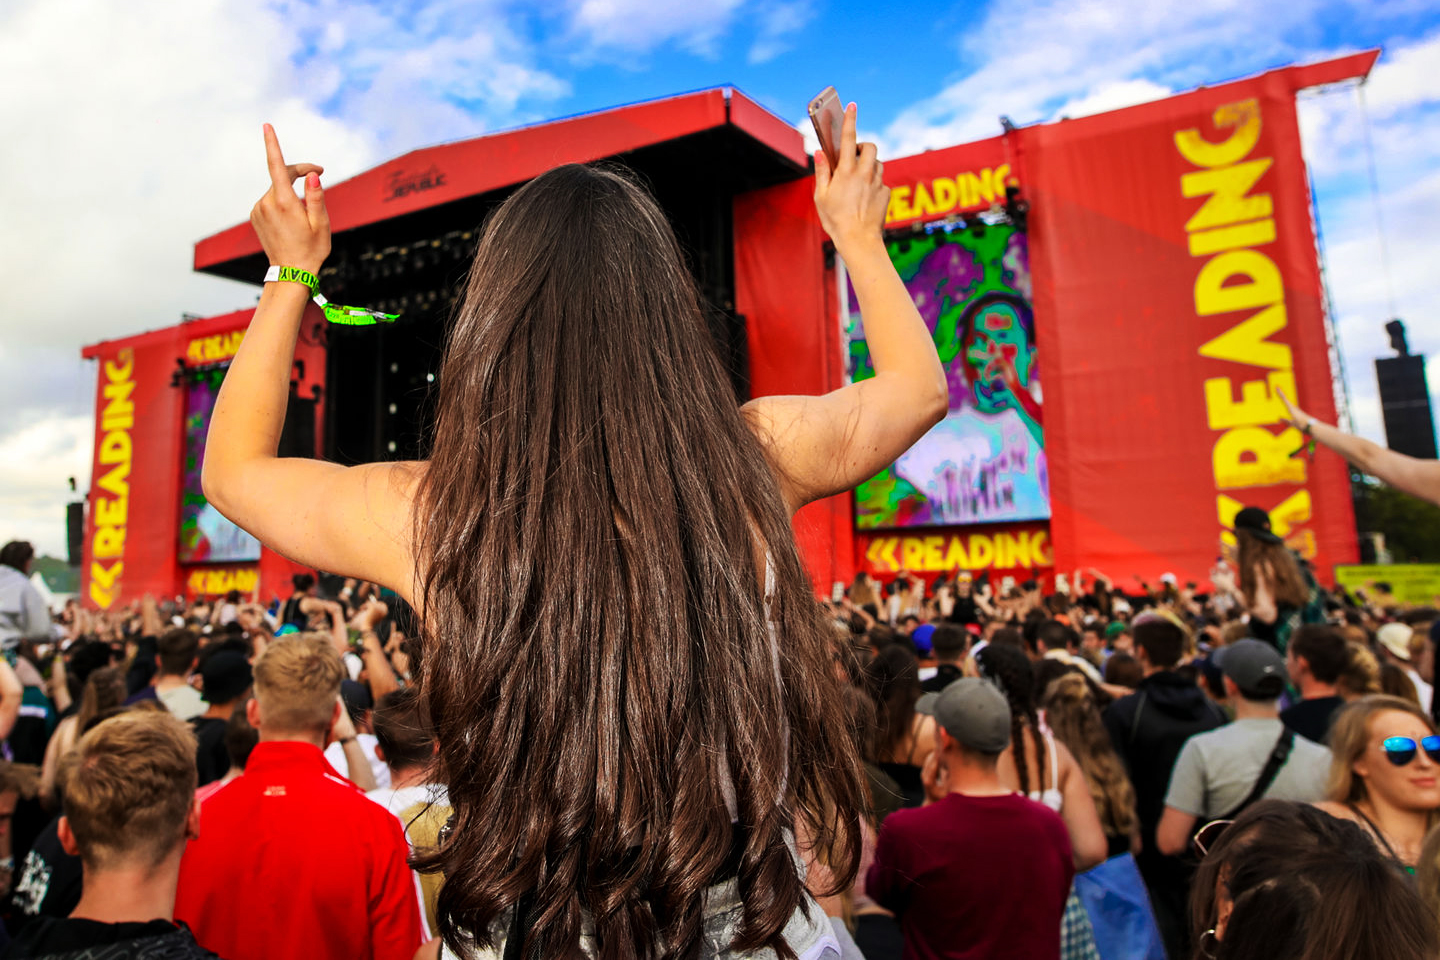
x: 600, y: 554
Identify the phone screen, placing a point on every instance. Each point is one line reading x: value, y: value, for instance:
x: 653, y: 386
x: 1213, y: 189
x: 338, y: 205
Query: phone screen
x: 828, y: 117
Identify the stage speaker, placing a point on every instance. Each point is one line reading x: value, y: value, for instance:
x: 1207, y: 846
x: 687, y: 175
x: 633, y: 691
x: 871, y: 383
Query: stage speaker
x: 1405, y: 403
x: 75, y: 531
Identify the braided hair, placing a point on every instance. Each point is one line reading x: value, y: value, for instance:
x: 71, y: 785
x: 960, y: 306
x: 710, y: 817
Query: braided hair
x: 1010, y: 670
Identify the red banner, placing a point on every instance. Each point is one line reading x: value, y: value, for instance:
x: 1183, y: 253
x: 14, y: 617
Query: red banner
x: 1177, y: 290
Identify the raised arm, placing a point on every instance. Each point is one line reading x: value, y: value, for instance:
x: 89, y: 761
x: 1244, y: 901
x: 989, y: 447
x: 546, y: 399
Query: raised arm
x: 1419, y: 478
x: 353, y: 520
x: 825, y: 445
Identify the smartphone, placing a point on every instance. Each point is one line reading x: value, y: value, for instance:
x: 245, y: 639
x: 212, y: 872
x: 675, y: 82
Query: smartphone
x: 828, y: 116
x: 837, y: 591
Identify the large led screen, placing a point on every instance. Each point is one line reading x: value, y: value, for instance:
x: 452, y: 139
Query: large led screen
x: 205, y: 536
x: 985, y: 462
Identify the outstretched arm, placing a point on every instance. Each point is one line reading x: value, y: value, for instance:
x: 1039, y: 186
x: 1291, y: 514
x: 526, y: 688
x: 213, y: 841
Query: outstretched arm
x: 353, y: 520
x: 1419, y: 478
x: 825, y: 445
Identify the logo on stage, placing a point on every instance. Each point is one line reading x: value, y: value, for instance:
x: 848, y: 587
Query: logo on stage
x: 110, y: 499
x: 402, y: 183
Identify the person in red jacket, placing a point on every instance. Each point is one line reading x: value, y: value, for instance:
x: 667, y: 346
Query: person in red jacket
x: 292, y: 860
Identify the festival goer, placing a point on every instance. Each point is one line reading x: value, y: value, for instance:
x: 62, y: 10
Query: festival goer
x: 407, y: 746
x: 225, y: 677
x: 1386, y: 773
x: 176, y: 655
x: 1396, y: 641
x: 1396, y: 682
x: 1419, y: 478
x: 1361, y: 676
x: 1278, y: 593
x: 1062, y: 643
x: 104, y: 692
x: 1034, y: 764
x: 593, y: 488
x: 903, y: 738
x: 1315, y: 659
x: 925, y: 859
x: 950, y: 643
x: 1286, y: 882
x: 129, y: 809
x: 1123, y: 670
x: 321, y: 862
x: 1148, y: 728
x: 359, y: 706
x: 23, y: 614
x: 1220, y: 772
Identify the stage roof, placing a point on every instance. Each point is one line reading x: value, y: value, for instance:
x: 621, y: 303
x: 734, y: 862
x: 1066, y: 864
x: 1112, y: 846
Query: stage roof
x: 744, y: 143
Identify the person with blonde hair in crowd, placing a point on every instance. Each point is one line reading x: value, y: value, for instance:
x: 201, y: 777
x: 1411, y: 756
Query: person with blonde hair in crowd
x: 324, y: 866
x: 129, y: 810
x: 1361, y: 676
x: 1398, y: 644
x: 1386, y: 773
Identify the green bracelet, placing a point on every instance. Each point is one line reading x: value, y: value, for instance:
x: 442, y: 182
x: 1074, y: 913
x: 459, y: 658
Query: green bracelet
x: 334, y: 313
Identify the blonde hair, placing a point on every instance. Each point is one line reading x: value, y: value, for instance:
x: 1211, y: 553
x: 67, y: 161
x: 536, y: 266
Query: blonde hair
x: 1074, y: 718
x: 129, y: 784
x: 297, y: 679
x: 1350, y: 735
x: 1361, y: 676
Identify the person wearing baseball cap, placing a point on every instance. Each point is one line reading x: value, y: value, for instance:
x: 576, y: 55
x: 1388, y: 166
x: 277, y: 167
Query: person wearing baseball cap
x: 1279, y: 591
x: 1397, y: 646
x: 1221, y: 772
x: 925, y: 867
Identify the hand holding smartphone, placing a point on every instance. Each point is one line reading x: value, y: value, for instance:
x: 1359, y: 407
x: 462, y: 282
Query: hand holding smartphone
x: 828, y: 116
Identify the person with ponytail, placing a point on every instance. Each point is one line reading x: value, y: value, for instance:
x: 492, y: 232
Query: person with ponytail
x: 630, y: 678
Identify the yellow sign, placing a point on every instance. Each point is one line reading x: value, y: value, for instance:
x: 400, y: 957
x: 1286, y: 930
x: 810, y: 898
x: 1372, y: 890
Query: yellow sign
x: 945, y: 552
x: 221, y: 346
x: 111, y: 498
x: 974, y: 189
x: 215, y: 581
x: 1417, y: 583
x: 1237, y: 277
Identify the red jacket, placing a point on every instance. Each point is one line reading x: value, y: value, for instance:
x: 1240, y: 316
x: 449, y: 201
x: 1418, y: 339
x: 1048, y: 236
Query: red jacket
x: 294, y: 862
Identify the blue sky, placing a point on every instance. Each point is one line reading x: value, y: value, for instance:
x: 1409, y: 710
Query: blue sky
x: 136, y: 133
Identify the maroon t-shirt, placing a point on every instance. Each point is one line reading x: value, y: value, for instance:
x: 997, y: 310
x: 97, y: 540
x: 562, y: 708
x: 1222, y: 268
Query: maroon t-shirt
x: 975, y: 877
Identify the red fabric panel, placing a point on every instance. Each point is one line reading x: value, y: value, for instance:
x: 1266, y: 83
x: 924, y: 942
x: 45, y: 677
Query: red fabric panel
x: 789, y: 300
x: 133, y: 515
x: 436, y: 175
x: 1141, y: 480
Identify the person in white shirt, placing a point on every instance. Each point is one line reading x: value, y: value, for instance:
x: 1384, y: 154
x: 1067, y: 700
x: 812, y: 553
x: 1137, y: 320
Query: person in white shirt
x: 23, y: 614
x: 1396, y: 646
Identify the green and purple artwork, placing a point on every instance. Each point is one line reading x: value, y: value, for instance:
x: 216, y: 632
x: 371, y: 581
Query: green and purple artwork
x: 985, y: 462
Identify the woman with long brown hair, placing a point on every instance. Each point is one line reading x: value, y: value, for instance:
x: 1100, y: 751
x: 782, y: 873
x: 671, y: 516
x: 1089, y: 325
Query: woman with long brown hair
x: 600, y: 552
x: 1275, y: 590
x: 1385, y: 774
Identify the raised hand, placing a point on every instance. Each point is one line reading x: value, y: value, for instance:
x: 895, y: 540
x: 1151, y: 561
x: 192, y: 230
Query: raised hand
x: 1294, y: 416
x: 852, y: 198
x: 293, y: 233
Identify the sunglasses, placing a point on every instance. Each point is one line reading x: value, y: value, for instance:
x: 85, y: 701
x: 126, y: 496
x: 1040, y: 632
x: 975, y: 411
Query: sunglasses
x: 1207, y: 836
x: 1401, y: 750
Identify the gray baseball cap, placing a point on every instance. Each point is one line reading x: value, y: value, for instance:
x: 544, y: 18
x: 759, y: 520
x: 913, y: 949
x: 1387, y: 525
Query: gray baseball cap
x: 973, y: 712
x: 1257, y: 668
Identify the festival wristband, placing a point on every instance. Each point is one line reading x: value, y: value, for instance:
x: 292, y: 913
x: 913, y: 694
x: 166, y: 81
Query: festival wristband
x: 334, y: 313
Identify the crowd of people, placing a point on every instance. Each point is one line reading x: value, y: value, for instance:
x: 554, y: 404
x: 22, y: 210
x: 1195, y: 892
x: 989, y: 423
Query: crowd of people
x: 569, y: 691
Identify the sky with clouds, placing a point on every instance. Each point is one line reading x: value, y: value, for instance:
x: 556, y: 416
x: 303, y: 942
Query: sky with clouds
x: 134, y: 131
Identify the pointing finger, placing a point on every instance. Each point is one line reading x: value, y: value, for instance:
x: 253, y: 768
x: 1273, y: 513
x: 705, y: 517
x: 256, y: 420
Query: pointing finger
x: 275, y: 160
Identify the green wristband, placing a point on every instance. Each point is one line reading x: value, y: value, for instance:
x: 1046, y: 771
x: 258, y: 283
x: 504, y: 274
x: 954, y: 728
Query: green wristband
x: 334, y: 313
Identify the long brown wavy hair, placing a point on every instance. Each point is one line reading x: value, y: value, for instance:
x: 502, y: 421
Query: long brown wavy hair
x: 1287, y: 583
x: 592, y: 538
x: 1074, y: 718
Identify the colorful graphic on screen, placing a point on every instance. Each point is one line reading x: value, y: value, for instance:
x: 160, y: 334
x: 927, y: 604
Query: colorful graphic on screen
x: 205, y: 536
x: 985, y: 462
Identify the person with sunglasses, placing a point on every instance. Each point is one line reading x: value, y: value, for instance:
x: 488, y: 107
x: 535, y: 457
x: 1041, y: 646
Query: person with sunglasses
x: 1386, y: 773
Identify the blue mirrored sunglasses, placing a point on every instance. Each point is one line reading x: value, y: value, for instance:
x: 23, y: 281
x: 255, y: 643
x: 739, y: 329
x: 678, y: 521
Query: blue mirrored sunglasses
x: 1401, y: 750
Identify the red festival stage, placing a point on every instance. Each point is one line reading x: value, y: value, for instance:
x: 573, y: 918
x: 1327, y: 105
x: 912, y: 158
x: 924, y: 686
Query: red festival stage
x: 1117, y: 300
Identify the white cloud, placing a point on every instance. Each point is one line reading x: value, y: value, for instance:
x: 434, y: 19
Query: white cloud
x: 642, y: 25
x: 778, y: 21
x: 1113, y: 96
x: 38, y: 460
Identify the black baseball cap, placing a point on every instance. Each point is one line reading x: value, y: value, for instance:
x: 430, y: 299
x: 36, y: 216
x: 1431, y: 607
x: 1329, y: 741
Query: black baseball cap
x: 1256, y: 522
x: 225, y: 676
